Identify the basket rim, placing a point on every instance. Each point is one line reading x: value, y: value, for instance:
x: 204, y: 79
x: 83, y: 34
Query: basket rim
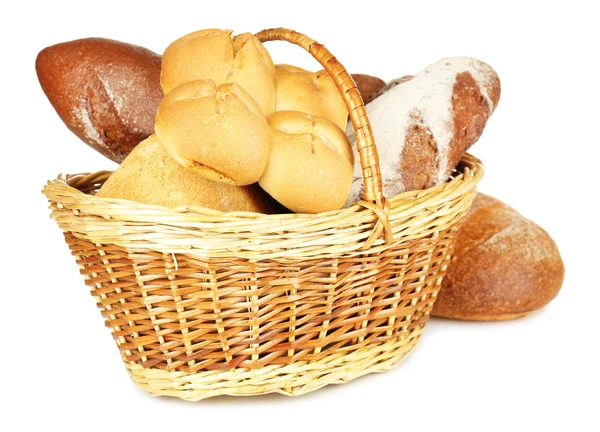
x: 63, y: 189
x: 205, y: 233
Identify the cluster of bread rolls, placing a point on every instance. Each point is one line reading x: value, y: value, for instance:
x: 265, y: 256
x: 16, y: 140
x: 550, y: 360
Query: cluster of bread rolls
x: 230, y: 116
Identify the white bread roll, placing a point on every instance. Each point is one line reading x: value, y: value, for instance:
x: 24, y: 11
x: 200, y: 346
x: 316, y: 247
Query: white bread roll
x: 150, y: 176
x: 213, y: 54
x: 313, y: 93
x: 310, y: 163
x: 217, y: 132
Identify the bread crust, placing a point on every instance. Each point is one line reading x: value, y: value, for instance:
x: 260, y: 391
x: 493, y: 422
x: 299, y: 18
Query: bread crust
x: 313, y: 93
x: 369, y: 86
x: 310, y: 163
x: 504, y: 266
x: 213, y: 54
x: 150, y: 175
x: 424, y: 123
x: 105, y: 91
x: 218, y: 132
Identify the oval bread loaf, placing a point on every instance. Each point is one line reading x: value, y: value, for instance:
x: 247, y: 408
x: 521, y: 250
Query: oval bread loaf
x: 423, y: 124
x: 504, y: 266
x: 106, y: 92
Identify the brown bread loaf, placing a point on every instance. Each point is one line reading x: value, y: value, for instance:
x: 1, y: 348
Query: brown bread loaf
x: 424, y: 123
x: 504, y: 266
x: 150, y: 176
x: 106, y: 92
x: 368, y: 86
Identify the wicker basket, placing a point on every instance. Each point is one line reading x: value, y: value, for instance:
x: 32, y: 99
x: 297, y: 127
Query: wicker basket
x: 203, y: 303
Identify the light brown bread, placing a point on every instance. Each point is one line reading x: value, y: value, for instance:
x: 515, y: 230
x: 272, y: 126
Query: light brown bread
x: 218, y: 132
x: 106, y: 92
x: 313, y: 93
x: 310, y: 163
x: 424, y: 123
x: 215, y: 55
x: 150, y: 176
x: 504, y: 266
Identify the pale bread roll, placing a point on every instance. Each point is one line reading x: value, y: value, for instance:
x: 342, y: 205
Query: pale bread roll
x: 310, y: 163
x: 213, y: 54
x: 313, y: 93
x: 150, y: 176
x: 218, y: 132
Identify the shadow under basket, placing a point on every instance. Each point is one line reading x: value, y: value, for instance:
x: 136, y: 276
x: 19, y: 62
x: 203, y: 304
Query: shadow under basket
x: 203, y: 303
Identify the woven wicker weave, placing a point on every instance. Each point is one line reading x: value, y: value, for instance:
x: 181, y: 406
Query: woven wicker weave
x: 203, y: 303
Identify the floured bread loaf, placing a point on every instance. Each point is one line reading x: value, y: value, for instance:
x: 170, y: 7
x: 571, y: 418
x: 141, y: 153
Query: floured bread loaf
x: 424, y: 123
x: 150, y: 176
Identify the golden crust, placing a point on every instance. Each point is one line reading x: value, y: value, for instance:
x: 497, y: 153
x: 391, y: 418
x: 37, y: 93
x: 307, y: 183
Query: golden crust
x: 218, y: 132
x: 313, y: 93
x: 150, y: 176
x: 310, y: 164
x: 214, y: 55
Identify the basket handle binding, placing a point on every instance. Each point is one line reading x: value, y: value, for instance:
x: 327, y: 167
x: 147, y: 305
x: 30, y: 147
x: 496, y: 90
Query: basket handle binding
x: 373, y: 198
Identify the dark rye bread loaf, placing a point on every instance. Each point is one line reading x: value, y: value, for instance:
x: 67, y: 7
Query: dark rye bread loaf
x: 106, y: 92
x: 424, y: 123
x: 369, y: 86
x: 504, y: 266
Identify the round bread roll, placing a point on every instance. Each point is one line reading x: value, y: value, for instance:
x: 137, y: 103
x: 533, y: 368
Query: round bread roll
x: 313, y: 93
x: 310, y: 163
x: 213, y: 54
x: 150, y: 176
x: 218, y: 132
x: 504, y: 266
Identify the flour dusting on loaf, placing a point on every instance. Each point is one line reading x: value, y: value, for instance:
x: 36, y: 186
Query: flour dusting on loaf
x: 424, y: 123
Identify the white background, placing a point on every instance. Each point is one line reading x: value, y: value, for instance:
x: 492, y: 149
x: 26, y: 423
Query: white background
x: 60, y: 367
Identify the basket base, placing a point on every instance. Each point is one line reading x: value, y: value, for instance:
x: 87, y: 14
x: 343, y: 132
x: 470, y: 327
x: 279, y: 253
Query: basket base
x: 291, y: 380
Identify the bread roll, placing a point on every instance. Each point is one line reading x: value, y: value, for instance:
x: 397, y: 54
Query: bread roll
x: 310, y: 163
x: 214, y: 55
x: 369, y: 86
x: 218, y: 132
x: 106, y: 92
x: 423, y: 124
x: 504, y: 266
x: 150, y: 176
x: 313, y: 93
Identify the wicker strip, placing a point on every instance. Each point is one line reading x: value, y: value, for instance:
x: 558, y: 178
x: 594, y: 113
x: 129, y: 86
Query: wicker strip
x: 202, y: 303
x: 291, y: 380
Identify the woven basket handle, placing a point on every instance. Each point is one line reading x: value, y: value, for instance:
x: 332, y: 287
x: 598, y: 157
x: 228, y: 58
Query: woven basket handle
x: 365, y: 142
